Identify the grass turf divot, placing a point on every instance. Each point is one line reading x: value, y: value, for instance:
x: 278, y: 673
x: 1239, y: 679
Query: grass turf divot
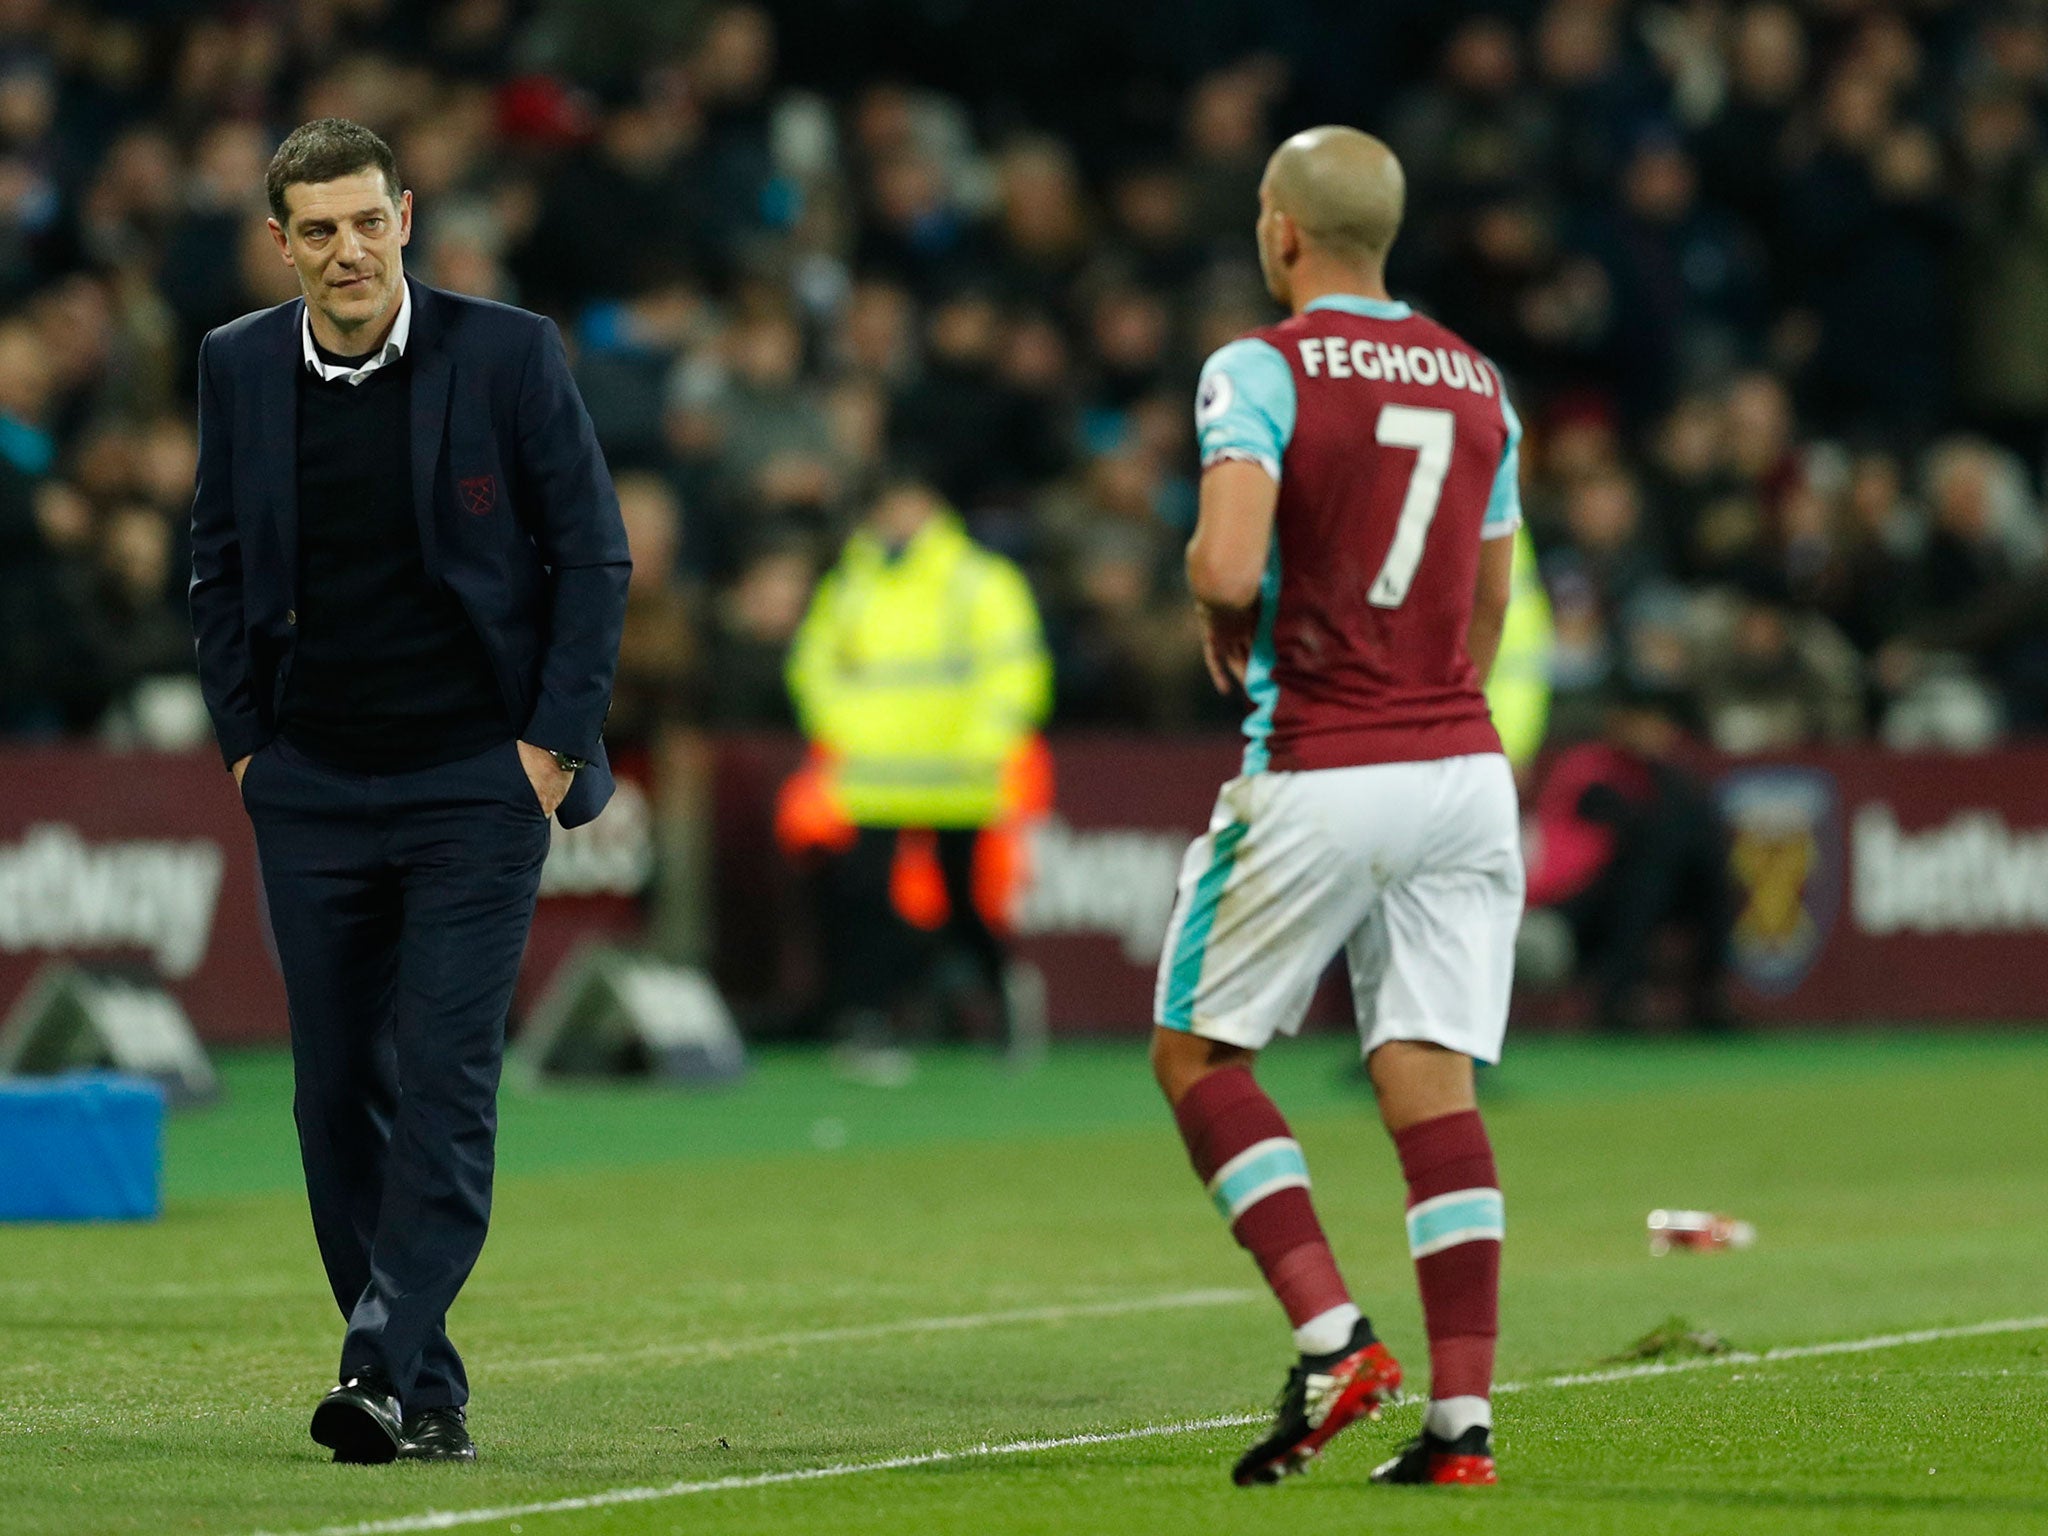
x: 1673, y: 1339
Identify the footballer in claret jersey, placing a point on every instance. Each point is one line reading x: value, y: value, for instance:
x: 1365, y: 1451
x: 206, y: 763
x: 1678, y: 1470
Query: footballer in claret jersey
x: 1352, y: 561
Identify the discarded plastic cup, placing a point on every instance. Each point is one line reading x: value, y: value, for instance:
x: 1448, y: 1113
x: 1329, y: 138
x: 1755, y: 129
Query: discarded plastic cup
x: 1701, y: 1231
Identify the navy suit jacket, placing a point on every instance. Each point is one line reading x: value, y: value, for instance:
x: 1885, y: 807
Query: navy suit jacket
x: 517, y: 518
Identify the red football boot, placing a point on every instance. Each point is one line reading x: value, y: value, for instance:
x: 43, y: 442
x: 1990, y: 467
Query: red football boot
x: 1432, y: 1459
x: 1323, y: 1394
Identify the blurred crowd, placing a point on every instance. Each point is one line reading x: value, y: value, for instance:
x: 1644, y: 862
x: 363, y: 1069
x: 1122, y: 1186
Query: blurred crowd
x: 1769, y: 281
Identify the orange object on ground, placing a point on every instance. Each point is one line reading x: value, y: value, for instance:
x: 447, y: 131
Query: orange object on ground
x: 808, y: 820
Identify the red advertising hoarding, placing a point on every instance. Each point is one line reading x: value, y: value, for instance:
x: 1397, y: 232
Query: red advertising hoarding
x: 1891, y: 886
x: 1873, y: 886
x: 146, y: 859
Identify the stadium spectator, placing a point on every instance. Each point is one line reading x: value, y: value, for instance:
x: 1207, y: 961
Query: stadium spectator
x: 876, y: 338
x: 1743, y: 144
x: 978, y: 435
x: 1478, y: 130
x: 1540, y: 308
x: 49, y: 677
x: 1721, y: 252
x: 1686, y: 294
x: 756, y: 425
x: 1864, y: 238
x: 1982, y: 591
x: 1599, y: 93
x: 659, y: 680
x: 1628, y: 844
x: 1709, y: 522
x: 2003, y: 277
x: 755, y: 623
x: 1121, y: 622
x: 1227, y: 130
x: 1151, y: 233
x: 1881, y: 539
x: 1774, y: 680
x: 1609, y: 547
x: 915, y: 231
x: 621, y: 214
x: 1042, y: 229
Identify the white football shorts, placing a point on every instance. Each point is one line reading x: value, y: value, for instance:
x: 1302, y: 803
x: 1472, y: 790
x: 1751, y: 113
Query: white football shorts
x: 1413, y: 870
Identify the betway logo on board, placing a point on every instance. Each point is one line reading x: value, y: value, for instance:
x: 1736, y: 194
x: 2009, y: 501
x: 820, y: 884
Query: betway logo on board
x: 59, y: 892
x: 1116, y: 883
x: 1971, y: 874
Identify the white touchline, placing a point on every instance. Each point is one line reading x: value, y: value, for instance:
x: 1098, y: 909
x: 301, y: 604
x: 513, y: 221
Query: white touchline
x: 693, y: 1349
x: 444, y: 1520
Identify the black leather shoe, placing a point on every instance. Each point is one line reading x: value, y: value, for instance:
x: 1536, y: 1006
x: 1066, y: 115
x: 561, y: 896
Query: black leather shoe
x: 437, y: 1434
x: 359, y: 1421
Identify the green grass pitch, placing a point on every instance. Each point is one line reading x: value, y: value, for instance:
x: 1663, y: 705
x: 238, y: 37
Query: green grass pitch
x: 773, y: 1288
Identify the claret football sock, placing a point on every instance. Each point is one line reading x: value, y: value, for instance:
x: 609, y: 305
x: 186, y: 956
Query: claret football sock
x: 1243, y: 1151
x: 1454, y: 1233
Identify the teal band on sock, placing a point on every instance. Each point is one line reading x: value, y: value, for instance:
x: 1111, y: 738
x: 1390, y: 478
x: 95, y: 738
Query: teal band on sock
x: 1463, y: 1216
x: 1255, y: 1173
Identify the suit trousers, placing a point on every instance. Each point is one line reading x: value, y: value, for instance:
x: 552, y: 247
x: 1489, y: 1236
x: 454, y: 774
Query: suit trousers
x: 400, y: 904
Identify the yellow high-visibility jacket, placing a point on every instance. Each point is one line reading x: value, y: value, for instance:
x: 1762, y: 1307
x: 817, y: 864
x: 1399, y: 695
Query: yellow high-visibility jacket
x: 920, y: 676
x: 1519, y: 689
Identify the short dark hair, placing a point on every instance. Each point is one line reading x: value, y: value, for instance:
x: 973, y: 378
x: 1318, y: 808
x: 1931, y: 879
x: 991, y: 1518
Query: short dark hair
x: 327, y: 149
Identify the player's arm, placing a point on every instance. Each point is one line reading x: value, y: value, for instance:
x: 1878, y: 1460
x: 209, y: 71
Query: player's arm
x: 1244, y: 418
x: 1497, y: 547
x: 1490, y: 603
x: 1226, y: 562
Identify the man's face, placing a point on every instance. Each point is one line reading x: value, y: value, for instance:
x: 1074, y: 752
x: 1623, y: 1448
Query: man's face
x: 344, y: 239
x: 900, y: 513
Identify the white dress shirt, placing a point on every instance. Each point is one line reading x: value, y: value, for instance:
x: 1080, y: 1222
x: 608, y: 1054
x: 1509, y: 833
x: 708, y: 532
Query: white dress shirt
x: 391, y: 351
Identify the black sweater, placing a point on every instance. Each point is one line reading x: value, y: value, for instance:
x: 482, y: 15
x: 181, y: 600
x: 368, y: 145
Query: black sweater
x: 388, y: 674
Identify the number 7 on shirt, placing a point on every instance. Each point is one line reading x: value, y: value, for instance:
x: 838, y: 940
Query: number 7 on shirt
x: 1431, y: 434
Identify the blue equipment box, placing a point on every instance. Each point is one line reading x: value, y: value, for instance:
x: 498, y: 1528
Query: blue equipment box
x: 86, y: 1146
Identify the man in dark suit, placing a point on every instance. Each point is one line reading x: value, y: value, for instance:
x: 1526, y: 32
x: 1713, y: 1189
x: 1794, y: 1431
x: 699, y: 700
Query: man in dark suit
x: 408, y: 583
